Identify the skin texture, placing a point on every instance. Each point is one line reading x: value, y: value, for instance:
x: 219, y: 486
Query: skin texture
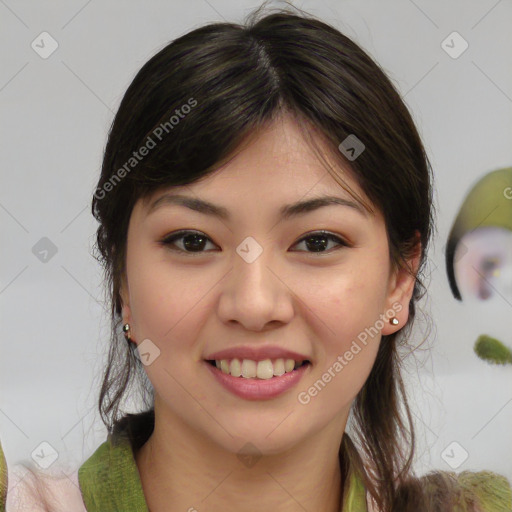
x: 191, y: 305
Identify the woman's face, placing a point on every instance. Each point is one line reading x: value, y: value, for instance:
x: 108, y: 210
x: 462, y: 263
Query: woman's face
x: 262, y: 287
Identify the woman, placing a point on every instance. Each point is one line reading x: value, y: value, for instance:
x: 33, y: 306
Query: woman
x: 265, y: 210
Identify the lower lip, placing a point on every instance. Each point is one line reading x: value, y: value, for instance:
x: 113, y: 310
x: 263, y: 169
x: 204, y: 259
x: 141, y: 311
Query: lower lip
x: 258, y: 389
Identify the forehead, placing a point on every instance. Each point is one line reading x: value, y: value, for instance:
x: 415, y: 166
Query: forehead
x: 278, y: 165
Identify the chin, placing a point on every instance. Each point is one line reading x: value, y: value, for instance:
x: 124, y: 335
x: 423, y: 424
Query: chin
x: 266, y: 436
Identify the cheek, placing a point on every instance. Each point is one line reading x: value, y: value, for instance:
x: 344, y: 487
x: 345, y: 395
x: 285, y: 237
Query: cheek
x: 347, y: 324
x: 163, y: 298
x: 344, y: 302
x: 343, y: 314
x: 166, y: 306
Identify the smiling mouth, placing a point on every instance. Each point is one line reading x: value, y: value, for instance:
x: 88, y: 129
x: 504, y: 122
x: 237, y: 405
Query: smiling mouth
x: 250, y: 369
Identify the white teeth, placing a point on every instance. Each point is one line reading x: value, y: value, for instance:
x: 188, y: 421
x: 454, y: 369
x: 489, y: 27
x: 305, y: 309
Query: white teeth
x: 265, y: 370
x: 249, y: 369
x: 236, y: 368
x: 224, y: 366
x: 289, y: 365
x: 279, y: 367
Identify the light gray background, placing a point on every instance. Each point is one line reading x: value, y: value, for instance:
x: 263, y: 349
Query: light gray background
x: 55, y: 114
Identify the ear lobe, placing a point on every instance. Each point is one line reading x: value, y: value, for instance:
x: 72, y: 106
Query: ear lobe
x: 401, y: 287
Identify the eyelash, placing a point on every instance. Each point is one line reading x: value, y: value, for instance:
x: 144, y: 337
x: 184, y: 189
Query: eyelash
x: 169, y: 240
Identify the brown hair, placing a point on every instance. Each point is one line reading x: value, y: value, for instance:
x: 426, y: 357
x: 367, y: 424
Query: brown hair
x: 234, y: 80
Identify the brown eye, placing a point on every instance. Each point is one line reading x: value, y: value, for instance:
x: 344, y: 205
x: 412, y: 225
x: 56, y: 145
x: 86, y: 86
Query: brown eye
x: 187, y: 241
x: 318, y: 242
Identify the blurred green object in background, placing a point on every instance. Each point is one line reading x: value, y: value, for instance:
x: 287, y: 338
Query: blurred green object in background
x: 492, y: 350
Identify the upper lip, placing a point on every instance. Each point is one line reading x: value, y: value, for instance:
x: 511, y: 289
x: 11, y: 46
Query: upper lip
x: 256, y: 354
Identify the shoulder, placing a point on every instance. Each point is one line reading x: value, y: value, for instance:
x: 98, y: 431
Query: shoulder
x: 476, y: 490
x: 447, y: 491
x: 24, y: 487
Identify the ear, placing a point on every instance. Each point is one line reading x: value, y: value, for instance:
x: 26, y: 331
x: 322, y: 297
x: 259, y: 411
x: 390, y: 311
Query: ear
x: 400, y: 289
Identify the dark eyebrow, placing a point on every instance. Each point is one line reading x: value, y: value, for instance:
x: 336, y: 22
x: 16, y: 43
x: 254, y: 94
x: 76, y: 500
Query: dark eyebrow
x: 285, y: 212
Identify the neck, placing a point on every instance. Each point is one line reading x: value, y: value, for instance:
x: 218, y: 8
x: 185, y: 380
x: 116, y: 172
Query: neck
x: 183, y: 470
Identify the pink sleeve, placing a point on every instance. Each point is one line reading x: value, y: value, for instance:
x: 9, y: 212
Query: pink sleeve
x: 40, y: 492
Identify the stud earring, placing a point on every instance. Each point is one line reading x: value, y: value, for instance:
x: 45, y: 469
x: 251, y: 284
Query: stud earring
x: 393, y: 321
x: 126, y: 330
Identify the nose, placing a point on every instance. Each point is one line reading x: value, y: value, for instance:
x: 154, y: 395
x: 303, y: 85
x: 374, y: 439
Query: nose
x: 255, y: 295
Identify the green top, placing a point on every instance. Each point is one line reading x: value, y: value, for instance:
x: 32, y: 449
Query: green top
x: 110, y: 481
